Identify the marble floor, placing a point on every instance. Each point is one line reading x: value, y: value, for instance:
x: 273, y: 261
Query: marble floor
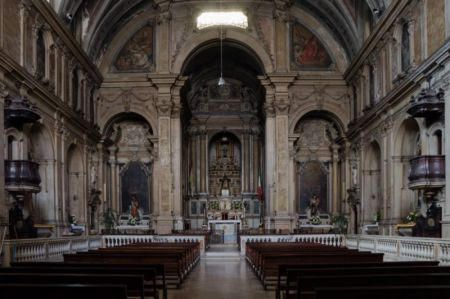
x: 221, y: 279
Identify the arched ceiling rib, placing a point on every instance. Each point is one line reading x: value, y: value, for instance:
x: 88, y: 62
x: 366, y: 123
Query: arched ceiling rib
x: 103, y: 18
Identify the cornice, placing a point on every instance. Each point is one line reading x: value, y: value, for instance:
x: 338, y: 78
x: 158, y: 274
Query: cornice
x: 63, y: 33
x: 383, y: 26
x: 408, y: 85
x: 18, y: 74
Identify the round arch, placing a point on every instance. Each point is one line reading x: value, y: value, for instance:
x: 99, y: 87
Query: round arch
x: 334, y: 112
x: 232, y: 35
x: 115, y: 113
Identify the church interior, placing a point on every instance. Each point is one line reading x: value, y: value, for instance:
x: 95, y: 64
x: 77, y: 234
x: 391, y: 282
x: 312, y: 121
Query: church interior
x: 225, y: 130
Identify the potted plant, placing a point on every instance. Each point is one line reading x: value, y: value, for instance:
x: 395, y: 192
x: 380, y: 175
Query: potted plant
x: 340, y: 223
x: 315, y: 220
x: 109, y: 220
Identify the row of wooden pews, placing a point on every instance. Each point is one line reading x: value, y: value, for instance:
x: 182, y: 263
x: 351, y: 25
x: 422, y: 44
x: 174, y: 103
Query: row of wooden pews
x: 136, y: 270
x: 315, y: 271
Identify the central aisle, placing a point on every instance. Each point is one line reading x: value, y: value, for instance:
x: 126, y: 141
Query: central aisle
x: 221, y: 279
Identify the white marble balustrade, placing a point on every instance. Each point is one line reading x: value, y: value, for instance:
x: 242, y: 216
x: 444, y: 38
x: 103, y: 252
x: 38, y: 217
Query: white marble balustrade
x: 118, y: 240
x: 403, y: 248
x: 325, y: 239
x: 46, y: 248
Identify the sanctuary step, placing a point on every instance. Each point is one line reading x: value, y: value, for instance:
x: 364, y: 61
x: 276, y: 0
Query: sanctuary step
x: 223, y: 251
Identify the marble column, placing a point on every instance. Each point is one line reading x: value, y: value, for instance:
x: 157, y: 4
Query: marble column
x: 203, y: 144
x: 281, y: 82
x: 269, y: 159
x: 114, y: 176
x: 334, y: 175
x: 166, y: 183
x: 3, y: 199
x: 175, y: 135
x: 446, y: 209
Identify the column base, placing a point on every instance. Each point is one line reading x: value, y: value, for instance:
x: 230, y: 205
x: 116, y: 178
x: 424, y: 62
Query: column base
x: 164, y: 225
x: 445, y: 229
x: 178, y: 223
x: 283, y: 223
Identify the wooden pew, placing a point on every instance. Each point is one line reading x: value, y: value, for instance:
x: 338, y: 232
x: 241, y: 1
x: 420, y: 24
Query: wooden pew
x: 269, y: 268
x: 66, y: 291
x: 306, y: 285
x: 287, y: 274
x: 265, y: 258
x: 134, y: 283
x: 172, y: 264
x: 391, y: 292
x: 154, y: 276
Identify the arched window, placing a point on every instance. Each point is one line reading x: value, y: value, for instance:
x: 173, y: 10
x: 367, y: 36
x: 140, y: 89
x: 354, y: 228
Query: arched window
x: 11, y: 149
x: 40, y: 55
x: 75, y: 88
x: 405, y: 52
x: 372, y: 84
x: 436, y: 147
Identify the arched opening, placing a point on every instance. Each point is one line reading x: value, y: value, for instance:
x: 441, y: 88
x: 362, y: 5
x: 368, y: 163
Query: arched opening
x: 76, y: 200
x: 223, y: 132
x: 12, y: 149
x: 372, y: 200
x: 45, y: 206
x: 317, y: 170
x: 406, y: 48
x: 75, y: 87
x: 128, y: 181
x: 436, y: 143
x: 40, y: 55
x: 407, y: 146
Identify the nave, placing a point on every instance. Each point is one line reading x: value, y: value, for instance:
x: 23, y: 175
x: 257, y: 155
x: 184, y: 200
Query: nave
x: 223, y: 278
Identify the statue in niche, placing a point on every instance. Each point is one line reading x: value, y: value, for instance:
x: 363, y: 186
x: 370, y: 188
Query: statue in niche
x: 225, y: 186
x: 314, y: 203
x: 134, y: 210
x: 224, y: 150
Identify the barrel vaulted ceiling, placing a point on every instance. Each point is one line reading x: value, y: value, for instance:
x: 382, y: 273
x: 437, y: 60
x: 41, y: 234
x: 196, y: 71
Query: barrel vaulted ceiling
x: 102, y: 19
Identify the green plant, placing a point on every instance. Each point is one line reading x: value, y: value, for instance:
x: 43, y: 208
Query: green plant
x: 213, y: 205
x: 237, y: 205
x: 377, y: 217
x: 411, y: 217
x: 315, y: 220
x: 109, y: 218
x: 340, y: 222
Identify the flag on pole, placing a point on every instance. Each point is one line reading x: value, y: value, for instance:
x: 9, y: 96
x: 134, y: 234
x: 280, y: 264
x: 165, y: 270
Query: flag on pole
x: 259, y: 190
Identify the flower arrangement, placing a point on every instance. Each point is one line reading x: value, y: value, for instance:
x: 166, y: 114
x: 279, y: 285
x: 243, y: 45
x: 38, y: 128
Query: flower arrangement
x: 132, y: 221
x: 213, y: 205
x: 237, y: 205
x: 340, y: 222
x: 377, y: 217
x: 72, y: 219
x: 411, y: 217
x: 315, y: 220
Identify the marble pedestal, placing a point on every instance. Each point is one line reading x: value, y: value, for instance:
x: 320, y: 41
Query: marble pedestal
x: 164, y: 225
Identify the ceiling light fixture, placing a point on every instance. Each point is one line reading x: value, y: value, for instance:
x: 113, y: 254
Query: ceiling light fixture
x: 221, y: 79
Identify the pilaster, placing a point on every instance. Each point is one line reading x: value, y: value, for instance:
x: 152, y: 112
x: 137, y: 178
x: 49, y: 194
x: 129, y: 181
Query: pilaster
x: 3, y: 202
x: 280, y: 105
x: 446, y: 209
x: 166, y: 107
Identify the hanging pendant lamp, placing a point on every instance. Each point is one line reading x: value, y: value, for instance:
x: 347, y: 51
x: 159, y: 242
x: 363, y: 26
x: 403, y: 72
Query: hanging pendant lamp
x: 221, y: 79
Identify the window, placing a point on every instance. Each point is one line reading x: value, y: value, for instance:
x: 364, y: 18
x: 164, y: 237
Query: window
x: 437, y: 143
x: 405, y: 52
x: 75, y: 89
x: 230, y: 18
x: 40, y: 55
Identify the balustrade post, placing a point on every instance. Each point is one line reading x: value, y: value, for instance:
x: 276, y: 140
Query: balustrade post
x: 46, y: 250
x: 6, y: 254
